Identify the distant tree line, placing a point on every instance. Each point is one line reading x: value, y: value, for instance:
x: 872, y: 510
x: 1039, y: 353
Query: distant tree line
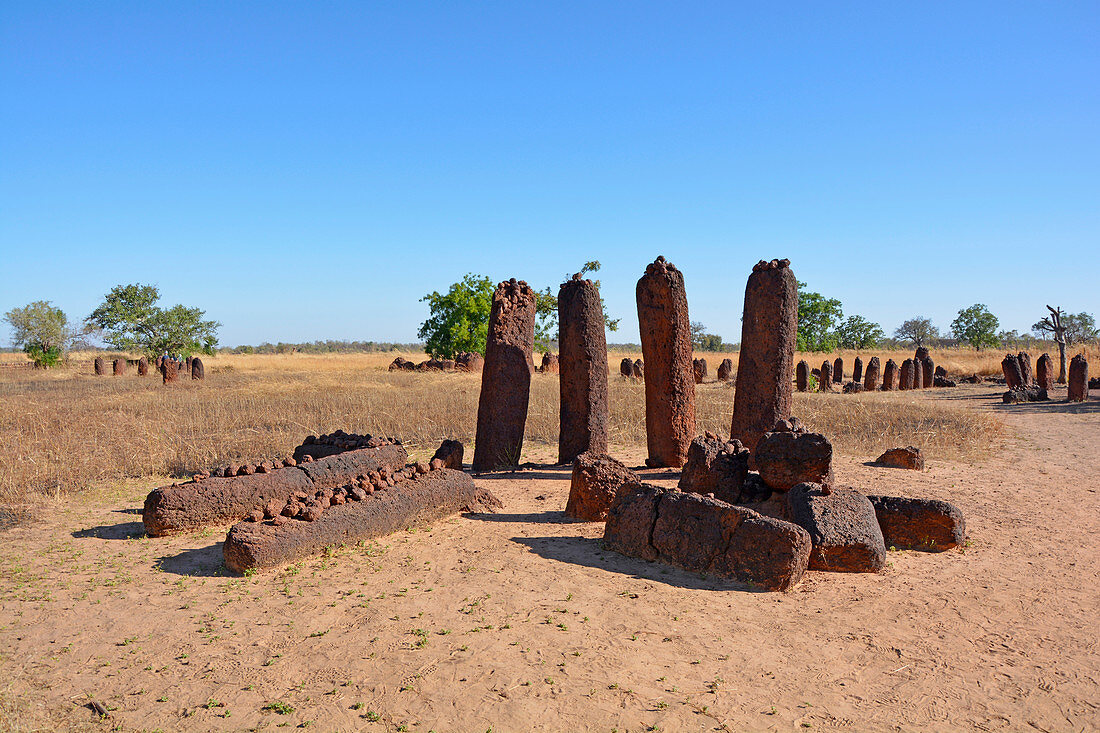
x: 325, y: 347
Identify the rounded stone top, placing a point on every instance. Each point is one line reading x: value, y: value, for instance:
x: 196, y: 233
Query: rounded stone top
x: 660, y: 266
x: 576, y: 280
x: 513, y: 288
x: 772, y: 265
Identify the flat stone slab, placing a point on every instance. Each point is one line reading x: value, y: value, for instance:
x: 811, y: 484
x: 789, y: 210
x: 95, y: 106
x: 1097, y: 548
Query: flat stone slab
x: 928, y: 525
x: 843, y: 528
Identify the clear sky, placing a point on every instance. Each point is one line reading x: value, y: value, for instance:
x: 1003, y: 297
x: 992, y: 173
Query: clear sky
x: 309, y: 170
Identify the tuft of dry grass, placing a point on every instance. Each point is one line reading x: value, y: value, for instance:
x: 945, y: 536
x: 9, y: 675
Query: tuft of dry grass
x: 67, y: 430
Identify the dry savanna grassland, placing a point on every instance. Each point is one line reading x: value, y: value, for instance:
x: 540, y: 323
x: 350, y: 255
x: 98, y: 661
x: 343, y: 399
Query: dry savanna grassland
x: 520, y: 620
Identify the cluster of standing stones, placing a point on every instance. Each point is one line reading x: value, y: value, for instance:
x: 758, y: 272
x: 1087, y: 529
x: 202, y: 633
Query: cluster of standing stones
x: 1028, y: 385
x: 920, y: 372
x: 463, y: 362
x: 168, y: 367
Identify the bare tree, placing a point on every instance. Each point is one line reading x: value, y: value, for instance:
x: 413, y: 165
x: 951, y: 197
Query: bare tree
x: 1059, y: 338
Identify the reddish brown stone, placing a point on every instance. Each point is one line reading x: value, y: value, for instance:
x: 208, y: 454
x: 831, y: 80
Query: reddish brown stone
x: 857, y: 370
x: 594, y: 484
x: 398, y: 364
x: 1014, y: 374
x: 838, y: 370
x: 99, y: 366
x: 725, y: 370
x: 1078, y: 388
x: 928, y: 372
x: 905, y: 375
x: 918, y: 374
x: 638, y: 369
x: 853, y: 388
x: 705, y: 535
x: 169, y: 371
x: 143, y: 367
x: 626, y: 367
x: 825, y: 377
x: 197, y: 369
x: 927, y: 525
x: 506, y: 377
x: 550, y: 363
x: 889, y: 376
x: 715, y: 466
x: 870, y: 379
x: 669, y: 379
x: 766, y: 361
x: 1044, y: 372
x: 1031, y: 393
x: 699, y: 370
x: 1025, y: 368
x: 119, y: 367
x: 450, y: 454
x: 583, y: 415
x: 469, y: 362
x: 920, y: 353
x: 788, y: 457
x: 843, y: 528
x: 426, y: 498
x: 909, y: 457
x: 802, y: 376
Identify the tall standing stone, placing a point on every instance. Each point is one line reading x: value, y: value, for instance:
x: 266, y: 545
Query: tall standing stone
x: 669, y: 375
x: 699, y: 369
x: 119, y: 367
x: 1025, y: 368
x: 100, y: 366
x: 921, y: 352
x: 169, y: 371
x: 1078, y: 379
x: 143, y: 366
x: 870, y: 379
x: 582, y: 364
x: 857, y: 370
x: 802, y: 376
x: 638, y: 368
x: 550, y: 363
x: 626, y: 367
x: 197, y: 369
x: 1044, y: 372
x: 905, y: 379
x: 918, y: 374
x: 928, y: 372
x: 890, y: 376
x: 725, y: 370
x: 506, y: 377
x: 838, y: 370
x: 1014, y: 375
x: 825, y: 381
x: 768, y: 326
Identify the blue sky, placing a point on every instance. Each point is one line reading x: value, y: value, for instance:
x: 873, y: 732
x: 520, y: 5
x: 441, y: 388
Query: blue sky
x: 309, y: 170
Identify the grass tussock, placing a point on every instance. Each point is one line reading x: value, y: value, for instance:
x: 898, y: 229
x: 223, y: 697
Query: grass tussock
x: 66, y: 430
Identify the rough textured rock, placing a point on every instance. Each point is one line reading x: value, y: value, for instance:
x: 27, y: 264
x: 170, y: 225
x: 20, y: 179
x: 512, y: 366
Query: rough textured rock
x: 99, y: 366
x: 725, y: 370
x: 550, y: 362
x: 853, y: 387
x: 928, y: 525
x: 197, y: 369
x: 1094, y: 382
x: 857, y: 370
x: 666, y: 348
x: 469, y: 362
x: 450, y: 453
x: 1078, y: 387
x: 339, y: 469
x: 595, y: 482
x: 921, y: 353
x: 506, y: 377
x: 638, y: 369
x: 786, y: 458
x: 838, y: 370
x: 715, y: 466
x: 1030, y: 393
x: 398, y: 364
x: 918, y: 374
x: 766, y: 360
x: 701, y: 534
x: 802, y: 376
x: 905, y: 375
x: 1014, y: 374
x: 871, y: 378
x: 1044, y: 372
x: 626, y: 367
x: 119, y: 367
x: 909, y: 457
x: 889, y: 376
x: 943, y: 382
x: 928, y: 372
x: 843, y: 528
x: 583, y: 417
x: 416, y: 500
x: 143, y: 367
x: 825, y: 377
x: 699, y: 370
x: 169, y: 371
x: 1025, y: 368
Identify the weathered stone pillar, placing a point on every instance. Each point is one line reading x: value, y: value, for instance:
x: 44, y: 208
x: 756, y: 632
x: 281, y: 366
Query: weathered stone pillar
x: 905, y: 380
x: 918, y: 374
x: 928, y: 372
x: 725, y: 370
x: 99, y: 366
x: 1044, y: 372
x: 169, y: 371
x: 699, y: 367
x: 1014, y: 375
x: 119, y: 367
x: 506, y: 377
x: 890, y: 376
x: 582, y: 364
x: 921, y: 352
x: 143, y: 366
x: 669, y: 377
x: 197, y: 369
x: 802, y: 376
x: 871, y: 378
x: 838, y: 370
x: 857, y: 370
x: 1025, y: 368
x: 638, y: 369
x: 626, y: 367
x: 768, y: 326
x: 825, y: 380
x: 550, y: 362
x: 1078, y: 379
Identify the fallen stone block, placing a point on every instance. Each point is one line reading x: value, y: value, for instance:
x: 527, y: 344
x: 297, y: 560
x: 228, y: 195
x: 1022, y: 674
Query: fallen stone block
x: 908, y: 457
x: 789, y: 455
x: 423, y: 498
x: 715, y: 466
x: 705, y: 535
x: 449, y: 454
x: 852, y: 387
x: 1030, y: 393
x: 595, y: 483
x: 843, y: 528
x: 928, y: 525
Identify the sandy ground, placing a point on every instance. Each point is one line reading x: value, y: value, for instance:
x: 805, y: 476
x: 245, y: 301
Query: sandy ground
x: 520, y: 621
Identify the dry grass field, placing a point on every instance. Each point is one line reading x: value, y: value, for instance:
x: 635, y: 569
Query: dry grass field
x: 66, y: 430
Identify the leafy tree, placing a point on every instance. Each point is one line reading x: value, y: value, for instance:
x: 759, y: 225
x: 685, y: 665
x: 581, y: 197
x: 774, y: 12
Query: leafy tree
x: 1077, y: 327
x: 858, y: 333
x: 818, y: 321
x: 703, y: 341
x: 1008, y: 339
x: 976, y: 326
x: 132, y: 321
x: 919, y: 331
x: 458, y: 320
x: 42, y: 331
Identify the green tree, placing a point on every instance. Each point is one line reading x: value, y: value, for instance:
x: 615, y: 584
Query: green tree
x: 858, y: 333
x: 1078, y: 327
x: 703, y: 341
x: 818, y: 321
x: 919, y: 331
x: 132, y: 321
x: 459, y: 319
x: 976, y: 326
x: 41, y: 330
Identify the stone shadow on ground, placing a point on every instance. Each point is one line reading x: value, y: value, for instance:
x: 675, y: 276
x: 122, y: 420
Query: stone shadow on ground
x: 120, y: 531
x: 588, y: 552
x: 562, y: 475
x: 549, y: 517
x: 198, y: 562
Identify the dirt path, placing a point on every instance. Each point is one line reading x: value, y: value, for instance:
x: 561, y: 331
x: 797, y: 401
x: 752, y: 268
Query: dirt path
x: 519, y: 621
